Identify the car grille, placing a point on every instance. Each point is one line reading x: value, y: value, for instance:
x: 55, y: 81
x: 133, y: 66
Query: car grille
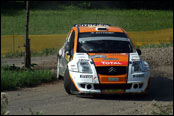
x: 112, y: 70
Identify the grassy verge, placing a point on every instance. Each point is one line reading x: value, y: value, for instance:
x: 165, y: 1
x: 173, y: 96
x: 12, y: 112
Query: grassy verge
x: 44, y: 52
x: 14, y: 77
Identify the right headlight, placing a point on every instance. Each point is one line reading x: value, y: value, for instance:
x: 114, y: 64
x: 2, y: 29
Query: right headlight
x: 84, y: 67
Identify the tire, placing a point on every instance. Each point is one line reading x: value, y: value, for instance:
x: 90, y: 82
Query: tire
x: 68, y: 84
x: 147, y: 88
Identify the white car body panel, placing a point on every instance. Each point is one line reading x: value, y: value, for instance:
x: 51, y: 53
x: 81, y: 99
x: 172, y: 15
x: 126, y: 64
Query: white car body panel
x: 94, y: 79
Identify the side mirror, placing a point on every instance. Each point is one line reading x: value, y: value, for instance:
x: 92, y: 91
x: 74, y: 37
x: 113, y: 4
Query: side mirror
x: 139, y: 51
x: 67, y: 49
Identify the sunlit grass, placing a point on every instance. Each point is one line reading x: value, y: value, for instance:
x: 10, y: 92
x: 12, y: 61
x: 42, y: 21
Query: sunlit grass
x: 37, y: 43
x: 47, y: 43
x: 164, y: 36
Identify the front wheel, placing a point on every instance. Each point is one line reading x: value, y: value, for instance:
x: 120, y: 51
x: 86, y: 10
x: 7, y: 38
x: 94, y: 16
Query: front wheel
x: 67, y: 82
x: 69, y: 85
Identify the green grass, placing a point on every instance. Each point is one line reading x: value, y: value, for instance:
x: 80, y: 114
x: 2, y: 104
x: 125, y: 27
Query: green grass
x: 61, y: 21
x: 14, y: 77
x: 44, y: 52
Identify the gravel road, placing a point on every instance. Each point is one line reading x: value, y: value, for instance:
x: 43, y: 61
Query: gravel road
x: 51, y: 98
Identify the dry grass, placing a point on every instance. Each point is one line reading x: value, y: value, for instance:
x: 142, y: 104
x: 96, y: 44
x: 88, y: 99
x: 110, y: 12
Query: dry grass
x: 38, y: 43
x: 41, y: 42
x: 164, y: 36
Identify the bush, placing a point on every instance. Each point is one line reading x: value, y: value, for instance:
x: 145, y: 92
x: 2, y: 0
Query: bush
x: 15, y: 78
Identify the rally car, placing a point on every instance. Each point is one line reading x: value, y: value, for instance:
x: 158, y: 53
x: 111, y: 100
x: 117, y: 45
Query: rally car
x: 101, y: 59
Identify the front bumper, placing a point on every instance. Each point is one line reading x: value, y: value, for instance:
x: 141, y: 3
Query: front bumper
x: 130, y: 87
x: 92, y: 86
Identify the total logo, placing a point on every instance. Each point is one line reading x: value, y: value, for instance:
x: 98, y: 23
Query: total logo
x: 108, y: 63
x: 102, y: 63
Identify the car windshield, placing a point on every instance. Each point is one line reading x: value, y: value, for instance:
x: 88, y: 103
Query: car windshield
x: 106, y: 44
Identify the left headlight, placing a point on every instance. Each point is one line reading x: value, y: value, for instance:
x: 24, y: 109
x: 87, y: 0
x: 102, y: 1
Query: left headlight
x: 137, y: 66
x: 140, y: 66
x: 145, y: 66
x: 84, y: 67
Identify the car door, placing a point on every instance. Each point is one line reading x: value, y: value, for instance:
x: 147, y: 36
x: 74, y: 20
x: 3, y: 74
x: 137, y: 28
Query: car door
x: 67, y: 57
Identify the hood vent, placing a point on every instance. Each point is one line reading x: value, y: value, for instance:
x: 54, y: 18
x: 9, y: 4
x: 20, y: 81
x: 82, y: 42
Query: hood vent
x: 101, y: 28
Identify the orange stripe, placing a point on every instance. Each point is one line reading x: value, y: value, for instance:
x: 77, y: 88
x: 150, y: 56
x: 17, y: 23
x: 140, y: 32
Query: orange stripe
x: 74, y: 83
x: 75, y: 41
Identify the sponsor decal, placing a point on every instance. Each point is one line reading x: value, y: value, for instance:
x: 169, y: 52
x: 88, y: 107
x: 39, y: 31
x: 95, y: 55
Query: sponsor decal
x: 86, y: 76
x: 81, y: 54
x: 113, y: 79
x: 83, y: 60
x: 111, y: 63
x: 98, y: 56
x: 110, y: 58
x: 95, y: 77
x: 102, y: 32
x: 72, y: 65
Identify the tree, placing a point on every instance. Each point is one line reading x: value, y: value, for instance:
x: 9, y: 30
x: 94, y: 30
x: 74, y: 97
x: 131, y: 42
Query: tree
x: 27, y: 40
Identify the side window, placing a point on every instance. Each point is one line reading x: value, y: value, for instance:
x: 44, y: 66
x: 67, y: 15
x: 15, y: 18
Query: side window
x: 71, y: 43
x: 66, y: 42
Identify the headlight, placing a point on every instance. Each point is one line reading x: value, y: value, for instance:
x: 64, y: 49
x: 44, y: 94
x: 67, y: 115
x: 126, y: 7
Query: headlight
x: 84, y: 67
x: 137, y: 66
x: 140, y: 66
x: 145, y: 66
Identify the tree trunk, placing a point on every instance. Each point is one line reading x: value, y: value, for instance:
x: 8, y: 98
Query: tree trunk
x: 27, y: 44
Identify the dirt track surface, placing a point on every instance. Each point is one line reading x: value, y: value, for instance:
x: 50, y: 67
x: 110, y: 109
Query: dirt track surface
x: 52, y: 99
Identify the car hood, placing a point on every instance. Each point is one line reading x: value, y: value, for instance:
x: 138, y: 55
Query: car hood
x: 110, y: 59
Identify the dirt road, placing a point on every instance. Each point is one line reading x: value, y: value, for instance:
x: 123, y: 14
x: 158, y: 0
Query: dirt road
x: 52, y: 99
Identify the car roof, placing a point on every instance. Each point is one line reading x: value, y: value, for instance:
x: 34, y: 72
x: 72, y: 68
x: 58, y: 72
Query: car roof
x: 93, y: 29
x: 87, y: 28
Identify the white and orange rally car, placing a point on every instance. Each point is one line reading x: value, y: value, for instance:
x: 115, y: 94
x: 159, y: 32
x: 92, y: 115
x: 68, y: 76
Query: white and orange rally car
x: 101, y: 59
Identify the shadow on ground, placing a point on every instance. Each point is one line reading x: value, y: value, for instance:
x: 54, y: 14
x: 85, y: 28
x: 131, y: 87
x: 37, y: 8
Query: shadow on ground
x: 161, y: 89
